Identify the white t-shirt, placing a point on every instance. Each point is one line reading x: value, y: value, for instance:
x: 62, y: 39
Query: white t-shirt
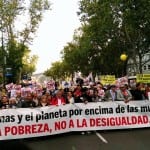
x: 59, y: 101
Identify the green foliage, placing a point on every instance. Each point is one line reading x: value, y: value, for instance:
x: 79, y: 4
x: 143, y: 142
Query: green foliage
x: 14, y: 43
x: 109, y: 28
x: 57, y: 71
x: 19, y: 59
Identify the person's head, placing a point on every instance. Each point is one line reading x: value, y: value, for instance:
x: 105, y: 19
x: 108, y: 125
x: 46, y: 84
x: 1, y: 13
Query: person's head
x: 78, y: 87
x: 12, y: 100
x: 99, y: 86
x: 69, y: 93
x: 4, y: 99
x: 43, y: 99
x: 138, y: 86
x: 113, y: 87
x: 95, y: 92
x: 122, y: 87
x: 34, y: 94
x: 29, y: 97
x: 18, y: 94
x: 59, y: 93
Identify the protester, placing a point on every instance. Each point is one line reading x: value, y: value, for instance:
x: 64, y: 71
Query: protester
x: 77, y: 93
x: 70, y: 98
x: 96, y: 97
x: 87, y: 95
x: 147, y: 92
x: 19, y: 99
x: 123, y: 94
x: 28, y: 101
x: 43, y: 101
x: 137, y: 93
x: 13, y: 102
x: 35, y: 98
x: 111, y: 94
x: 49, y: 97
x: 4, y: 102
x: 86, y: 98
x: 101, y: 91
x: 58, y: 99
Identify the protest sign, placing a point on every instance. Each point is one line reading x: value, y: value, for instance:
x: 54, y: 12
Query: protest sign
x: 34, y: 122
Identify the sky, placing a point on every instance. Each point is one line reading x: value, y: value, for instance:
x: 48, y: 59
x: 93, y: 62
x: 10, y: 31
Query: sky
x: 55, y: 31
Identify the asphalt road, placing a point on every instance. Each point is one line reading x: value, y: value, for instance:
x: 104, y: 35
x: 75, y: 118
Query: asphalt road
x: 130, y: 139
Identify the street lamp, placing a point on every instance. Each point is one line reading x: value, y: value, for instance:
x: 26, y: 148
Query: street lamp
x: 123, y: 58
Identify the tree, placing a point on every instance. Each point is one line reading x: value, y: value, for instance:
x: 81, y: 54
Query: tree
x: 15, y: 40
x: 116, y: 27
x: 109, y: 28
x: 57, y: 71
x: 100, y: 32
x: 136, y: 26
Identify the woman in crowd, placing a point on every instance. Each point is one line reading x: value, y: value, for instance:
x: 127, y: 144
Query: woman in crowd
x: 35, y: 98
x: 43, y: 101
x: 101, y: 91
x: 70, y: 98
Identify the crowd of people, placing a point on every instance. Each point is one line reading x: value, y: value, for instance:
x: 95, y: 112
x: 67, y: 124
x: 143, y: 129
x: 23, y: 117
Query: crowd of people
x: 94, y: 92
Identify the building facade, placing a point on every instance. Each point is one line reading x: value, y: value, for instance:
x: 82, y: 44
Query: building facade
x: 133, y: 65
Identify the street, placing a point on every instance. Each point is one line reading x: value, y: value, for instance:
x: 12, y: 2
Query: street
x: 101, y: 140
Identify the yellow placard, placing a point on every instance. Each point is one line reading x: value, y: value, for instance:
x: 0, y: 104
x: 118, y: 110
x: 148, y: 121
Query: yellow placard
x: 143, y: 78
x: 107, y: 79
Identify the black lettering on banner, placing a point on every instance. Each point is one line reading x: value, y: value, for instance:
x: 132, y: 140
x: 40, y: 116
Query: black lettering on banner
x: 75, y: 112
x: 29, y: 117
x: 19, y: 118
x: 50, y: 115
x: 7, y: 119
x: 99, y: 110
x: 120, y: 109
x: 132, y: 108
x: 145, y: 108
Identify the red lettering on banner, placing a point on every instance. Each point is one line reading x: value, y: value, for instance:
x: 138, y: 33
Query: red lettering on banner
x: 71, y: 124
x: 81, y: 123
x: 21, y: 130
x: 27, y: 129
x: 60, y: 125
x: 95, y: 122
x: 119, y: 121
x: 45, y: 128
x: 140, y: 121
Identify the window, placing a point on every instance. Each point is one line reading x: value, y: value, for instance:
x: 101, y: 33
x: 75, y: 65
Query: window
x: 144, y: 67
x: 148, y: 67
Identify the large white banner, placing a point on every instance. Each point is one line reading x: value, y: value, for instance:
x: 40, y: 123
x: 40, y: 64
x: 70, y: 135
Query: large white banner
x: 25, y: 122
